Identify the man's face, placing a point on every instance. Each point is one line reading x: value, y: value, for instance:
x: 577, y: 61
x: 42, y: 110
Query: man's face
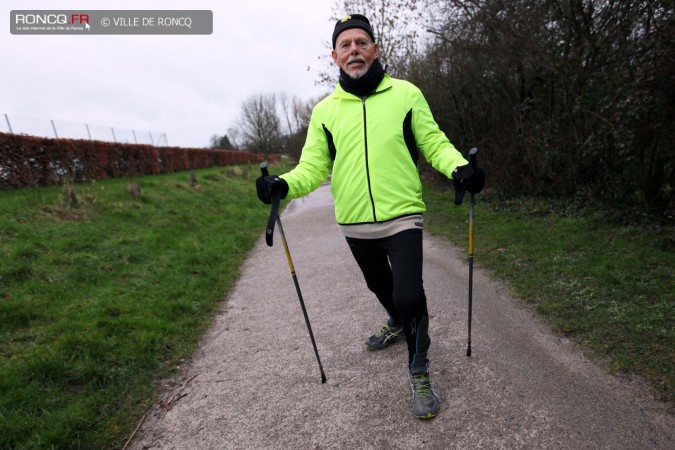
x: 355, y: 52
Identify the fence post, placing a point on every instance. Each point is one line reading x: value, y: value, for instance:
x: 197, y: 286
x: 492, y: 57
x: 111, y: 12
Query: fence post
x: 113, y: 132
x: 88, y: 132
x: 134, y: 133
x: 54, y: 128
x: 8, y: 124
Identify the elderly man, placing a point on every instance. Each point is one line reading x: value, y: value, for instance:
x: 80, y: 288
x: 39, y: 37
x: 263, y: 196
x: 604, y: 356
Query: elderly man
x: 369, y: 130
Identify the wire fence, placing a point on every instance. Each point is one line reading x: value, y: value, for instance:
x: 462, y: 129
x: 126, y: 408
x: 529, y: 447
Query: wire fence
x: 58, y: 129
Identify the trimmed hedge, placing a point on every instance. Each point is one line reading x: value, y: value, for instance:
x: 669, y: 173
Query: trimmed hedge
x: 37, y: 161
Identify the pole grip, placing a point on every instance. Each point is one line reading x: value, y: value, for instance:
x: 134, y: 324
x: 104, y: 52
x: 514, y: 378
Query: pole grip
x: 472, y: 157
x: 459, y: 191
x: 274, y: 212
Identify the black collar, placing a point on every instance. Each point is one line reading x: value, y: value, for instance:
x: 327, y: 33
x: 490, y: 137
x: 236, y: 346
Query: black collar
x: 366, y: 84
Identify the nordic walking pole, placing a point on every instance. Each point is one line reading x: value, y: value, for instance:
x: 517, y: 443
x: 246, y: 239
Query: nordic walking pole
x: 472, y: 163
x: 274, y: 217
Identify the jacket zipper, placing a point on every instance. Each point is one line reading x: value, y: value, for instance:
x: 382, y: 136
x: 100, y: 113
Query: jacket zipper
x: 365, y: 143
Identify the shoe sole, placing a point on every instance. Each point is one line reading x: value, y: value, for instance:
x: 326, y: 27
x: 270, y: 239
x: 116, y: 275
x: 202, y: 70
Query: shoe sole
x: 428, y: 416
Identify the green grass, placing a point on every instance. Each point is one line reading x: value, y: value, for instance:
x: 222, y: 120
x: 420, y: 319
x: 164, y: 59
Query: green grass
x: 610, y: 287
x: 99, y: 300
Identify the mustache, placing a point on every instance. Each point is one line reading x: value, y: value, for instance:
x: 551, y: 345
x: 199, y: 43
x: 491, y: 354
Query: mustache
x: 356, y: 60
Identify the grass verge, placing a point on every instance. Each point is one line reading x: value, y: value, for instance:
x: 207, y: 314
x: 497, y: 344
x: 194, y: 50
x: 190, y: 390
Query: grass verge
x: 104, y: 288
x: 609, y: 286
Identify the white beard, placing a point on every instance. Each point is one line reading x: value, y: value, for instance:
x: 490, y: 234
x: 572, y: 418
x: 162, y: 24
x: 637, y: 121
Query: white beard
x: 356, y: 74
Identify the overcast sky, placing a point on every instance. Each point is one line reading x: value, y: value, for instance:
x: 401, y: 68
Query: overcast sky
x: 189, y: 87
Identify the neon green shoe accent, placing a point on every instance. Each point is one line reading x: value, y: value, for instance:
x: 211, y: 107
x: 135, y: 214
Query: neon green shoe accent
x: 385, y: 336
x: 425, y: 402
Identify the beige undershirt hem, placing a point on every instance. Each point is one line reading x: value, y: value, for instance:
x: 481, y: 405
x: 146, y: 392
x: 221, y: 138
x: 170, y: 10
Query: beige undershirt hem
x: 383, y: 229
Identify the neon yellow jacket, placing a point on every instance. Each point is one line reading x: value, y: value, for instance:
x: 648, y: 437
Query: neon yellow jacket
x: 372, y: 144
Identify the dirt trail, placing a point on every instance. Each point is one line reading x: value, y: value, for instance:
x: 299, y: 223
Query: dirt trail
x: 254, y: 382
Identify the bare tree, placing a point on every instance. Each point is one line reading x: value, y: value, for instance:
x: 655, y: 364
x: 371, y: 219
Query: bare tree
x: 297, y: 113
x: 575, y: 94
x: 259, y: 124
x: 290, y: 108
x: 302, y: 112
x: 234, y: 133
x: 298, y: 117
x: 396, y: 25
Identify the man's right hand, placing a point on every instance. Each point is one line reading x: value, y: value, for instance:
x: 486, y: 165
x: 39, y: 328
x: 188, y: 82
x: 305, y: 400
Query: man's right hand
x: 268, y: 185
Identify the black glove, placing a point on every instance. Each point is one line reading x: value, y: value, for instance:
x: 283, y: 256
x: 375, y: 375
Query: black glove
x: 268, y: 185
x: 467, y: 178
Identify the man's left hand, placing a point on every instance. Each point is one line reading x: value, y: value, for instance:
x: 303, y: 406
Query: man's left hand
x: 469, y: 178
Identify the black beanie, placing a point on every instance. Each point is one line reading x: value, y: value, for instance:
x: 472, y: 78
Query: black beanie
x: 352, y: 21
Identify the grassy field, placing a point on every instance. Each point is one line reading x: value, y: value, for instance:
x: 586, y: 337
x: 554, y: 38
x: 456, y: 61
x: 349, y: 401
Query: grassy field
x: 104, y: 288
x: 609, y: 286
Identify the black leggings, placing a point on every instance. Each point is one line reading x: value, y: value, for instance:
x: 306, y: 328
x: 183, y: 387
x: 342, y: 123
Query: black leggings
x: 392, y: 267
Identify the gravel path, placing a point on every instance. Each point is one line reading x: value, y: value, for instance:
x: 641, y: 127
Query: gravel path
x: 254, y: 382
